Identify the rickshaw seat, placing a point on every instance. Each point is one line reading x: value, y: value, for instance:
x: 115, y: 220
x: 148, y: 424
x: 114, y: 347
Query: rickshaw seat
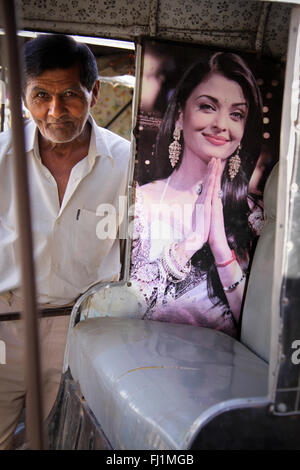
x: 257, y: 311
x: 153, y: 385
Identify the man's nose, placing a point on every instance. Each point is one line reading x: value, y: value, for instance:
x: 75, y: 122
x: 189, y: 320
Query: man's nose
x: 56, y: 107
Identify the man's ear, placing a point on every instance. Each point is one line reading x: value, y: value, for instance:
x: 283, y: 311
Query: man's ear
x: 95, y: 92
x: 23, y: 95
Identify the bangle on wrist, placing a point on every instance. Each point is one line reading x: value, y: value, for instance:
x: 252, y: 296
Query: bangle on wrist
x: 172, y: 267
x: 183, y: 268
x: 226, y: 263
x: 234, y: 285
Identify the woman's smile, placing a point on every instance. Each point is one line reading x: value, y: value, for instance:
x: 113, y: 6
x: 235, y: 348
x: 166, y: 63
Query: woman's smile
x: 215, y: 139
x: 213, y: 119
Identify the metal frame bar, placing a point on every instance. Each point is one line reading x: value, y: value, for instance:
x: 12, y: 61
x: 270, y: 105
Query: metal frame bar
x: 34, y: 429
x: 286, y: 161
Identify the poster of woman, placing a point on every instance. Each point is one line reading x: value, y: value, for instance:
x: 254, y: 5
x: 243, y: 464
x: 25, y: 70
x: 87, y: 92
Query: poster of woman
x: 197, y: 217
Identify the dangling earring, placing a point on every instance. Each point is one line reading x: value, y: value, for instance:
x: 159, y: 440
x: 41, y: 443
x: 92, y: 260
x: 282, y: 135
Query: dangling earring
x: 234, y: 164
x: 175, y: 147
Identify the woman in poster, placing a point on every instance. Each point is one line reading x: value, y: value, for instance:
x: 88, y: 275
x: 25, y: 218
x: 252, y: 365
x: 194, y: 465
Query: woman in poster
x: 195, y: 225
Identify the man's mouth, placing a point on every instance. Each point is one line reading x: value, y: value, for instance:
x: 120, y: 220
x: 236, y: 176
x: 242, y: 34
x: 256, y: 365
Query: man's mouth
x: 215, y: 139
x: 59, y: 124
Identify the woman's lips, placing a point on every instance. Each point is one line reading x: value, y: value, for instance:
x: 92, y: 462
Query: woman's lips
x: 215, y: 140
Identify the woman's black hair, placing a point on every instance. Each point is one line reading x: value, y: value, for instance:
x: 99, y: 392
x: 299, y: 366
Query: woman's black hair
x: 235, y: 193
x: 58, y: 51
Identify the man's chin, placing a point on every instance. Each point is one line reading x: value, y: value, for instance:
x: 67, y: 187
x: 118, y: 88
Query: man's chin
x: 61, y: 141
x: 54, y: 138
x: 61, y: 135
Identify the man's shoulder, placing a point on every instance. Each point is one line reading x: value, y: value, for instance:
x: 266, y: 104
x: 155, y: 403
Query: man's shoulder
x: 111, y: 134
x: 117, y: 146
x: 5, y: 136
x: 5, y: 144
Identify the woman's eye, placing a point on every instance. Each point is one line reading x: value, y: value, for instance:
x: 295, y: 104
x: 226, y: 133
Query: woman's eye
x: 206, y: 107
x: 238, y: 116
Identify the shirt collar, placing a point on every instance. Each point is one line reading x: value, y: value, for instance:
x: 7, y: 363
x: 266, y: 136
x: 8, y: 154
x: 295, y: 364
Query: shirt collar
x: 98, y: 145
x: 30, y: 135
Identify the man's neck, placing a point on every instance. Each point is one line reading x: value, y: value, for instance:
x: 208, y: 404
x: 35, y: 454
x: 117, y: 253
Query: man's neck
x: 60, y: 158
x: 66, y: 150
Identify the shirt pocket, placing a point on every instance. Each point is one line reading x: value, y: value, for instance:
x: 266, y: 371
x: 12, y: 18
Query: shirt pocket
x: 89, y: 247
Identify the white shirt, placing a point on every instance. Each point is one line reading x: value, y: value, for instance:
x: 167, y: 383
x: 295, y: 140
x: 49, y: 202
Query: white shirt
x: 69, y: 257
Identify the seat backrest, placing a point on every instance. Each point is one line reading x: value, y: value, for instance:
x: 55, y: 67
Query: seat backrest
x: 256, y: 319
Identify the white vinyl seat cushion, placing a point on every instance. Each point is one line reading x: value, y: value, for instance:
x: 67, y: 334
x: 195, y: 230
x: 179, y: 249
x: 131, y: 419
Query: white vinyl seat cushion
x: 257, y: 312
x: 152, y: 385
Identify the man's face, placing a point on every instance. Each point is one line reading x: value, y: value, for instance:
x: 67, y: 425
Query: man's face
x: 59, y: 104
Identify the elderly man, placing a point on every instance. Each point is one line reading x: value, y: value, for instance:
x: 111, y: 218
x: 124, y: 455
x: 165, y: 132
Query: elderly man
x: 74, y: 167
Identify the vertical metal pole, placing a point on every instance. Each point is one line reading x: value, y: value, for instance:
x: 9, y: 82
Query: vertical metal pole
x: 34, y: 427
x: 2, y: 101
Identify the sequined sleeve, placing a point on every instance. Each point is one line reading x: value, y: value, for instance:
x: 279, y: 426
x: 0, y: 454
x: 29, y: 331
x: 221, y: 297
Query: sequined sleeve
x: 150, y: 275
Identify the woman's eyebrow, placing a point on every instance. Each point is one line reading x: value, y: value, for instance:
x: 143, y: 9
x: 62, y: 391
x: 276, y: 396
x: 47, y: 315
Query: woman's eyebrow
x: 241, y: 104
x: 215, y: 100
x: 212, y: 98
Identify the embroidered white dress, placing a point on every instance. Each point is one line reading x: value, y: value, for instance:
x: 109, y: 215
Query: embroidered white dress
x: 186, y: 301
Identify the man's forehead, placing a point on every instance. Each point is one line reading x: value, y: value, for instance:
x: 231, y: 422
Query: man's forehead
x: 56, y: 78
